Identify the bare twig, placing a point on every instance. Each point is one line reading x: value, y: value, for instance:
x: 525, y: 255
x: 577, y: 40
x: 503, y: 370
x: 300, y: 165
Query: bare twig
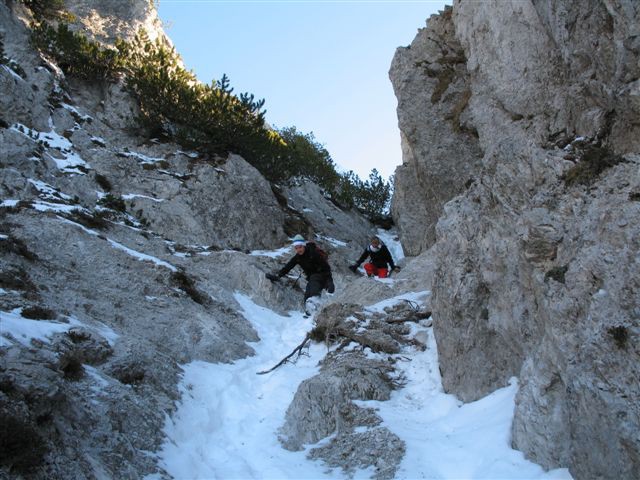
x: 403, y: 320
x: 297, y: 350
x: 413, y: 318
x: 412, y: 304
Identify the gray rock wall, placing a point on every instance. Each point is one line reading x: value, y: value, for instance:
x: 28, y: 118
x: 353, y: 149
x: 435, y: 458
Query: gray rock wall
x: 536, y: 272
x: 440, y: 149
x: 132, y: 249
x: 107, y: 20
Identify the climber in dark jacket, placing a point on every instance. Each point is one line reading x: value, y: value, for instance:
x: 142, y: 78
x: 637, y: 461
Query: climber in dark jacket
x: 381, y: 261
x: 315, y: 267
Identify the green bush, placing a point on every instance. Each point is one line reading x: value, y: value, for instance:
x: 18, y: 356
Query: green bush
x: 113, y: 202
x: 374, y: 194
x: 210, y: 119
x: 371, y: 197
x: 304, y: 157
x: 3, y: 60
x: 207, y: 118
x: 593, y: 161
x: 75, y: 54
x: 45, y: 8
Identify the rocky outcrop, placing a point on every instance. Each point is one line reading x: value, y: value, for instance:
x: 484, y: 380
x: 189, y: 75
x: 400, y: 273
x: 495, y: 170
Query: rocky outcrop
x: 317, y: 209
x: 111, y: 19
x: 323, y: 405
x: 537, y: 260
x: 120, y: 260
x: 440, y: 149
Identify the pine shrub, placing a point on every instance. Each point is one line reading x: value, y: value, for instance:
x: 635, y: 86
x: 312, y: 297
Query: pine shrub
x: 45, y: 8
x: 208, y: 118
x: 592, y: 162
x: 75, y: 54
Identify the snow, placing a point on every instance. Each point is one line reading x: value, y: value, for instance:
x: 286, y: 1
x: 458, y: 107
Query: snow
x: 388, y: 237
x: 13, y: 74
x: 271, y: 253
x: 188, y: 154
x: 333, y: 241
x: 107, y: 332
x: 54, y: 207
x: 76, y: 112
x: 98, y: 141
x: 448, y: 439
x: 143, y: 159
x: 226, y: 425
x: 101, y: 383
x: 81, y: 227
x: 130, y: 196
x: 49, y: 192
x: 24, y: 329
x: 141, y: 256
x: 414, y: 297
x: 134, y: 253
x: 179, y: 176
x: 71, y: 161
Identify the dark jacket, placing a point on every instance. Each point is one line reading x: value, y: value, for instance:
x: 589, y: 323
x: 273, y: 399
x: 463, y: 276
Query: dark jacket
x: 379, y: 259
x: 310, y: 261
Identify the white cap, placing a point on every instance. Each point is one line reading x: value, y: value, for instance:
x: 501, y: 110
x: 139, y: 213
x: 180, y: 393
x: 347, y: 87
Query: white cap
x: 299, y: 240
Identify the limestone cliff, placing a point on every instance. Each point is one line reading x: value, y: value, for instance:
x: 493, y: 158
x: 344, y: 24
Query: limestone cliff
x: 440, y: 149
x: 131, y: 250
x: 524, y: 156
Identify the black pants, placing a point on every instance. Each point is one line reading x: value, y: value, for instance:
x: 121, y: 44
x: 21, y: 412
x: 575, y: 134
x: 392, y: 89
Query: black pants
x: 316, y: 282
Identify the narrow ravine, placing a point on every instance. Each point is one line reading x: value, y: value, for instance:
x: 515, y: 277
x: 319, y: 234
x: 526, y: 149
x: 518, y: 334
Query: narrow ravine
x: 227, y: 423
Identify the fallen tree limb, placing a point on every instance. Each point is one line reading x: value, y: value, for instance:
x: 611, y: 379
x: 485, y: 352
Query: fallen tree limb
x: 297, y: 350
x: 413, y: 318
x: 380, y: 342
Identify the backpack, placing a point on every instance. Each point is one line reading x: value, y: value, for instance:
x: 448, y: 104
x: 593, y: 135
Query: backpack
x: 323, y: 255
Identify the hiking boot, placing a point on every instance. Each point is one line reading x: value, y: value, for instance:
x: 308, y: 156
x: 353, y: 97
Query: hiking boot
x: 331, y: 286
x: 311, y: 305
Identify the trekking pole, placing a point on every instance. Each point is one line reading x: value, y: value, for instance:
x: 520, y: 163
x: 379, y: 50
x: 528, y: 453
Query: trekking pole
x: 295, y: 284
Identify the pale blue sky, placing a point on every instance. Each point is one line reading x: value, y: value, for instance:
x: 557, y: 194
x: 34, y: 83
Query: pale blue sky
x: 321, y: 65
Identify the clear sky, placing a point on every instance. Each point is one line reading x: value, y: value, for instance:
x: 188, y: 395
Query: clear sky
x: 321, y: 65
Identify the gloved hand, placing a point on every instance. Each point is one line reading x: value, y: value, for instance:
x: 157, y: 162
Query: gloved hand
x: 353, y: 268
x: 396, y: 269
x: 272, y: 277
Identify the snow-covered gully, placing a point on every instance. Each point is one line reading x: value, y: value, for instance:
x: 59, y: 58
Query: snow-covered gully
x: 226, y: 426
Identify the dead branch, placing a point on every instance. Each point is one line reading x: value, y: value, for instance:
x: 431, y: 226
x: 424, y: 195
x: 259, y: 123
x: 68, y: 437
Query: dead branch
x: 351, y: 337
x: 412, y: 304
x: 403, y: 320
x: 377, y: 344
x: 297, y: 350
x: 412, y: 318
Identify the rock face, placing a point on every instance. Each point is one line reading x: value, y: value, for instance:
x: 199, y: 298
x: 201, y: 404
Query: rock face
x: 128, y: 253
x: 110, y: 19
x: 440, y: 149
x: 537, y: 261
x: 323, y: 405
